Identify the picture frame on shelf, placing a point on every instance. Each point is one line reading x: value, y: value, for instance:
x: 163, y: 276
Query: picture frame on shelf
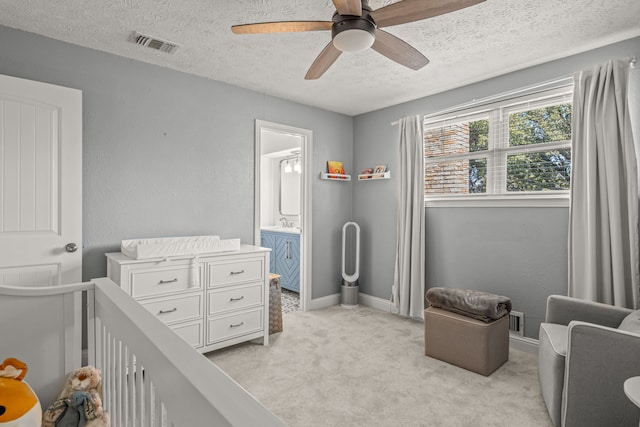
x: 335, y: 167
x: 378, y: 171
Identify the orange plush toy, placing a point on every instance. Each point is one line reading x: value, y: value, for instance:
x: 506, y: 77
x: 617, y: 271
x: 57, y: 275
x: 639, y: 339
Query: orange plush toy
x: 19, y: 405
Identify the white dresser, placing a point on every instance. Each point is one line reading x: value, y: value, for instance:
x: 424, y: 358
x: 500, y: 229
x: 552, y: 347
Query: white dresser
x: 212, y: 301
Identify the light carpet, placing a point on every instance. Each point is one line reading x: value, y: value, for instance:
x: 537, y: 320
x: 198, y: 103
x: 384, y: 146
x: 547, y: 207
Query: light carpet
x: 365, y: 367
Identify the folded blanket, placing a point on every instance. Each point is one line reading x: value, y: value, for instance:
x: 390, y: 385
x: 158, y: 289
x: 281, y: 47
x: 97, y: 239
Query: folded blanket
x: 478, y: 305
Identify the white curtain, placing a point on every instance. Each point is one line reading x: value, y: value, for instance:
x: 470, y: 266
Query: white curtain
x: 408, y: 281
x: 603, y: 224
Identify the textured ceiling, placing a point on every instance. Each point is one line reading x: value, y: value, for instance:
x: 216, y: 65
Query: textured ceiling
x: 470, y: 45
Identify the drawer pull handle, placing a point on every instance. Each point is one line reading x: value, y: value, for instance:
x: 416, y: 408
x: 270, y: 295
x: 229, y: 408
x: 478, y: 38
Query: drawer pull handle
x: 168, y: 311
x: 237, y: 272
x: 236, y: 325
x: 236, y: 299
x: 164, y: 282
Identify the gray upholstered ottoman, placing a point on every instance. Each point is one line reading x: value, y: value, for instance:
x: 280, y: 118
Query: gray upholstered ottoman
x: 469, y: 329
x: 469, y: 343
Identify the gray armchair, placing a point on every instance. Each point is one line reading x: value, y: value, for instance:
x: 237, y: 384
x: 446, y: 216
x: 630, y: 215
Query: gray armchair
x: 583, y: 361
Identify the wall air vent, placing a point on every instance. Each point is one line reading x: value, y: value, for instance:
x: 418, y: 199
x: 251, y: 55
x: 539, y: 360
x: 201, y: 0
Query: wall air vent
x: 516, y: 323
x: 153, y: 43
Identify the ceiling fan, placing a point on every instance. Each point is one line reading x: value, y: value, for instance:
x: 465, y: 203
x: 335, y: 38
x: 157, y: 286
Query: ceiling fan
x: 355, y: 27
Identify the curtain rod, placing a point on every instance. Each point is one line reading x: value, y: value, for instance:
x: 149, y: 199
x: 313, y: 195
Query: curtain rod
x: 549, y: 84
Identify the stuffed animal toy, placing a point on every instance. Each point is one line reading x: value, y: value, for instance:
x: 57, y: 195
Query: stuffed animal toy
x: 79, y: 403
x: 19, y: 405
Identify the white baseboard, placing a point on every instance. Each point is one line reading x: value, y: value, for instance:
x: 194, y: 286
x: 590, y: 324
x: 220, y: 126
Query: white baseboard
x: 525, y: 344
x: 375, y: 302
x: 325, y: 302
x: 364, y: 299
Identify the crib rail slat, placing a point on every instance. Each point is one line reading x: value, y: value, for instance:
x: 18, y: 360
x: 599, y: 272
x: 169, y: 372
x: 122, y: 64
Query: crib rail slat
x: 139, y: 399
x: 113, y: 379
x: 91, y: 326
x: 120, y: 392
x: 131, y: 372
x: 157, y: 410
x: 148, y: 407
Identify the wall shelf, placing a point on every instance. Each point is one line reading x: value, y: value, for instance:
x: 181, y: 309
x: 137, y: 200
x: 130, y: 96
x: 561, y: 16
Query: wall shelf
x: 374, y: 176
x: 335, y: 176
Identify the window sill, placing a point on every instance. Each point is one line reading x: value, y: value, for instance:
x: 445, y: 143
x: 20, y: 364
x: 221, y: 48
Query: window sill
x: 498, y: 201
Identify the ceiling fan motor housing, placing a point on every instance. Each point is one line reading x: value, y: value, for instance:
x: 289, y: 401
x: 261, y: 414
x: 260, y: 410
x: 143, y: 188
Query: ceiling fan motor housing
x: 358, y: 32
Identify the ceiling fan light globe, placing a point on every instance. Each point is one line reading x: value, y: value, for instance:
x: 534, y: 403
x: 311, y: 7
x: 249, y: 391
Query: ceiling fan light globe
x: 353, y: 40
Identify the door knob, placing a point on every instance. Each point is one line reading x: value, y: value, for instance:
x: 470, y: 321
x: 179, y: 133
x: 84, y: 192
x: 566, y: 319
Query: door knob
x: 71, y: 247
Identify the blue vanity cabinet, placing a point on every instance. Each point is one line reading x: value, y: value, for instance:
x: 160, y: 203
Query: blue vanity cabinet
x: 268, y: 240
x: 288, y: 260
x: 285, y: 257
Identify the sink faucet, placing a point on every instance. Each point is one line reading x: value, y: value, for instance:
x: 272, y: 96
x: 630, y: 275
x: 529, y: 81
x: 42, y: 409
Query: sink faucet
x: 284, y: 222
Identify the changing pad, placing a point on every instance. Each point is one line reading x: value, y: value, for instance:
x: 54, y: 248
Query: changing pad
x: 174, y: 246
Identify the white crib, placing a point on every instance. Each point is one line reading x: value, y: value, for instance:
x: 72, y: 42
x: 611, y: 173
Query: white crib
x: 151, y: 377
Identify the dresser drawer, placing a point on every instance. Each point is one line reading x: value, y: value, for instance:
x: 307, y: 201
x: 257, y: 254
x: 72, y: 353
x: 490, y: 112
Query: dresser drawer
x: 175, y: 309
x: 190, y: 332
x: 247, y: 270
x: 223, y: 328
x: 235, y: 297
x: 161, y: 281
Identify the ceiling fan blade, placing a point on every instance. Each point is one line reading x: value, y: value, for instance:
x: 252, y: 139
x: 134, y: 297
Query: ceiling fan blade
x: 405, y: 11
x: 399, y: 51
x: 322, y: 63
x: 348, y: 7
x: 282, y: 27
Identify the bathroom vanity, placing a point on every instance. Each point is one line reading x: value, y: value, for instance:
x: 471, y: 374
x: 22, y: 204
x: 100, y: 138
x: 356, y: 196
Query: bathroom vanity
x: 285, y: 254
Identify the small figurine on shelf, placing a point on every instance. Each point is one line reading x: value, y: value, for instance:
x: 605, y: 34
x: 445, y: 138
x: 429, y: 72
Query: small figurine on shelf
x: 366, y: 173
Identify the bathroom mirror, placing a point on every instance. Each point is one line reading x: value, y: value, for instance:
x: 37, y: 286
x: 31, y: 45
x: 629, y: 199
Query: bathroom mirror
x: 289, y: 188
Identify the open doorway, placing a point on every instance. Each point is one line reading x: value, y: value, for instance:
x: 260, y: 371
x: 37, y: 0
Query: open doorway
x: 283, y: 205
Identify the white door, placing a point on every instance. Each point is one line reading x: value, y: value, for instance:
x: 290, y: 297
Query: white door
x: 40, y: 183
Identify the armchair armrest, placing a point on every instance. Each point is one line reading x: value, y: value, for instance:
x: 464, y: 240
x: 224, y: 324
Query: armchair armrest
x: 562, y: 310
x: 599, y: 359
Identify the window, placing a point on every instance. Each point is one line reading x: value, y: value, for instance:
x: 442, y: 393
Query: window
x: 521, y: 146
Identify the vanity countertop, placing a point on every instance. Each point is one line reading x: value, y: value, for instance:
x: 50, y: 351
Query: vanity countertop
x: 281, y: 229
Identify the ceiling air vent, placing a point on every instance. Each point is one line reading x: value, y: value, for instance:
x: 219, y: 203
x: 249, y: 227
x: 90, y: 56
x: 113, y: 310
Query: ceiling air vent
x: 153, y: 43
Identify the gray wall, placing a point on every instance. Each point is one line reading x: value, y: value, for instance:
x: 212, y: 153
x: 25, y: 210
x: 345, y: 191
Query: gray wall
x: 171, y: 154
x: 518, y: 252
